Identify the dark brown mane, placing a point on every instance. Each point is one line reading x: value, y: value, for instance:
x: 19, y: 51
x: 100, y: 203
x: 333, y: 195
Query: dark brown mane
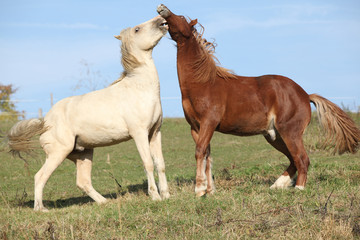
x: 207, y: 65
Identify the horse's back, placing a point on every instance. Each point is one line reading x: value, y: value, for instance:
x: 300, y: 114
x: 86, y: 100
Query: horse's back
x: 101, y: 118
x: 253, y: 102
x: 86, y: 118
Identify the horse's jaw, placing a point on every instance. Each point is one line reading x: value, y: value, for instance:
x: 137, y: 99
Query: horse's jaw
x: 163, y: 11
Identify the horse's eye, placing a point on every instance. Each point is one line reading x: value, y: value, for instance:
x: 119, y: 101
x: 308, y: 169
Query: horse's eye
x: 137, y: 29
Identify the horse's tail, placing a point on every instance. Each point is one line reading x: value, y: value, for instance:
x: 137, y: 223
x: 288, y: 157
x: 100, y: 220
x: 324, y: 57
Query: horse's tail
x: 340, y: 129
x: 21, y: 134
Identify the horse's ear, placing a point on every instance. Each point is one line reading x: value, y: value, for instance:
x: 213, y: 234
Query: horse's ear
x: 193, y: 22
x: 118, y: 37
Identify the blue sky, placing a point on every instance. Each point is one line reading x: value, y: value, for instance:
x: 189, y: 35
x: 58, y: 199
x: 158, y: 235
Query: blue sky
x: 45, y: 46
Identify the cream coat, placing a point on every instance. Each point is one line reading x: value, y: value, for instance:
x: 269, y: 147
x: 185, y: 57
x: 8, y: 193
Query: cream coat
x: 129, y: 108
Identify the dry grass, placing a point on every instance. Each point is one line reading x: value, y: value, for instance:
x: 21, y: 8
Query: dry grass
x: 242, y: 208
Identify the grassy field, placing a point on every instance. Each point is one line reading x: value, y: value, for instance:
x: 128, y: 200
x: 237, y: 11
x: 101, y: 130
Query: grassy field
x: 243, y: 206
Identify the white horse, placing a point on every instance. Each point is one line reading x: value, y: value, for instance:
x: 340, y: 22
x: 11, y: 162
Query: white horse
x: 129, y: 108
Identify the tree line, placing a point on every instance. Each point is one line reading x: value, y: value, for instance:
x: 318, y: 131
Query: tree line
x: 8, y: 111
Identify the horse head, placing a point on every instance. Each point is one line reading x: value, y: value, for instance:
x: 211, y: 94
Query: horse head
x: 140, y: 40
x: 145, y: 36
x: 179, y: 28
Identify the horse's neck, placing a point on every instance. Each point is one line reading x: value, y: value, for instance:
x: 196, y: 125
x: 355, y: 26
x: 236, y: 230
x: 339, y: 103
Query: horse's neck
x: 187, y: 54
x: 188, y: 49
x: 148, y: 69
x: 145, y: 76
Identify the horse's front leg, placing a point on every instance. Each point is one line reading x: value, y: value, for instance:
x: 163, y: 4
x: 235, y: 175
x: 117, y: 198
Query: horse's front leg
x: 204, y: 182
x: 210, y: 181
x: 156, y: 152
x: 142, y: 143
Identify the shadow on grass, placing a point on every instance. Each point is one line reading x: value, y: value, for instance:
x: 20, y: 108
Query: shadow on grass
x: 63, y: 203
x: 180, y: 181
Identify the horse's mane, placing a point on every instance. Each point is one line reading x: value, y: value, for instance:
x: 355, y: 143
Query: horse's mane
x: 207, y: 67
x: 128, y: 60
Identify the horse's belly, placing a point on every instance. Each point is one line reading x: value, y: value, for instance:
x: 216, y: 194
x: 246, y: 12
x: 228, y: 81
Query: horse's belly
x: 243, y: 129
x: 101, y: 137
x: 244, y: 123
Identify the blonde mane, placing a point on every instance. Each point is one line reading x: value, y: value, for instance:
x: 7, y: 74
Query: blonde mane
x: 128, y: 60
x: 207, y: 66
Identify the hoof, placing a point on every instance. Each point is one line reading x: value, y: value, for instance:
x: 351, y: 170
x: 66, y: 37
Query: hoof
x: 200, y: 194
x: 278, y: 187
x: 102, y: 201
x: 42, y: 209
x: 200, y: 191
x: 282, y: 182
x: 155, y: 197
x: 210, y: 192
x: 165, y: 195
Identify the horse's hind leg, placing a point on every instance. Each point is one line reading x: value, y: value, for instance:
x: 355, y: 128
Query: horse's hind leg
x: 301, y: 160
x: 53, y: 160
x: 83, y: 161
x: 292, y: 146
x: 285, y: 180
x: 156, y: 152
x: 142, y: 143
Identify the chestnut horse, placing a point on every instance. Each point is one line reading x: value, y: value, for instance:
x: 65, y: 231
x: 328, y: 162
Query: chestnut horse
x: 215, y: 99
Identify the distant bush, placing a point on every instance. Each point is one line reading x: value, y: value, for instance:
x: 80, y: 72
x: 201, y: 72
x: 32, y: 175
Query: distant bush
x: 7, y: 107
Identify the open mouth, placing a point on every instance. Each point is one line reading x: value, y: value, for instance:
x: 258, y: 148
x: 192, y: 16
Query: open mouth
x: 164, y: 25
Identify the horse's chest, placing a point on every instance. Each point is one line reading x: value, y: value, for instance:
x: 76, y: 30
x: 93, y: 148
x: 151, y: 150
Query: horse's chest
x: 187, y: 107
x: 191, y: 112
x: 156, y: 115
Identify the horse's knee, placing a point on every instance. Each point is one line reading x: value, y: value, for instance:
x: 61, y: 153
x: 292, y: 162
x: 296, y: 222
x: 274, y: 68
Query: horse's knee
x: 149, y: 167
x: 161, y: 170
x: 200, y: 152
x: 159, y: 164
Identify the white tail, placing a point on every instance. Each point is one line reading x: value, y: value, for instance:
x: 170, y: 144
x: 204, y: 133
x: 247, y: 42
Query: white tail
x: 21, y: 134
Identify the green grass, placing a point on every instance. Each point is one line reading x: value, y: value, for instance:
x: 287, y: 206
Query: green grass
x: 243, y: 206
